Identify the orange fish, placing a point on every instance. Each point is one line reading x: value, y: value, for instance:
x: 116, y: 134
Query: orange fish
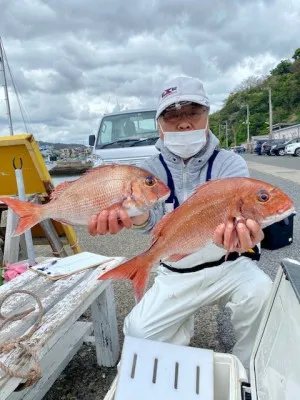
x: 191, y: 226
x: 108, y: 187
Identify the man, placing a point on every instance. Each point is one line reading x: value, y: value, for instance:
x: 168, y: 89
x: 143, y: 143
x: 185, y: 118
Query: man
x: 189, y: 157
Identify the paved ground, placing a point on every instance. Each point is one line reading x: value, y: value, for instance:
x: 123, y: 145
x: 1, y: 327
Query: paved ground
x: 284, y: 161
x: 83, y: 379
x: 285, y: 167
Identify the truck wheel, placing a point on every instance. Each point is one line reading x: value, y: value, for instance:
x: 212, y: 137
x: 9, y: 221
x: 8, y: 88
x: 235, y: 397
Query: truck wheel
x: 281, y: 152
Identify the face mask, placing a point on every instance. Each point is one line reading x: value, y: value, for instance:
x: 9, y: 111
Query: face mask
x: 185, y: 144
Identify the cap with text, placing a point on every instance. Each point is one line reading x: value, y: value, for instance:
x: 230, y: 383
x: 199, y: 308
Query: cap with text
x: 182, y: 89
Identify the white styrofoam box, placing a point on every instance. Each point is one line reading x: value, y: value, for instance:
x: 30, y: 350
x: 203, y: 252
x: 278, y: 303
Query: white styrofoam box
x: 228, y: 376
x: 164, y: 371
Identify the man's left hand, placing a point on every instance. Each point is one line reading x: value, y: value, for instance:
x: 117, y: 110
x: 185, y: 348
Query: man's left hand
x: 249, y: 234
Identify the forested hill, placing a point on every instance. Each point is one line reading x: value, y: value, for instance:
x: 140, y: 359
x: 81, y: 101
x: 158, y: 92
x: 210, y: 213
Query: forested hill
x: 284, y: 81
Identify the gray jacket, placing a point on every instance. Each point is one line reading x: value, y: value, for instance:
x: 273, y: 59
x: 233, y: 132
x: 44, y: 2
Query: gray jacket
x: 188, y: 176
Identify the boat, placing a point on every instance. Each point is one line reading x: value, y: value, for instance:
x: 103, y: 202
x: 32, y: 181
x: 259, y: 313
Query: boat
x: 69, y: 167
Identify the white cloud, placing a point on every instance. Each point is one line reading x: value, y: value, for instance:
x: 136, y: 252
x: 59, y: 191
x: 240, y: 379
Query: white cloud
x: 72, y: 61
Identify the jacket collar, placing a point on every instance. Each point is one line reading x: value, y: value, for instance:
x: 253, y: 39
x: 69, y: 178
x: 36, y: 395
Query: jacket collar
x: 195, y: 162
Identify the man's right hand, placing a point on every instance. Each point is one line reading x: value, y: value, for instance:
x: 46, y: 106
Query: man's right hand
x: 113, y: 222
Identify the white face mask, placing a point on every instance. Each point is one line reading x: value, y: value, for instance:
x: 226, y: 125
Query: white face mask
x: 187, y: 143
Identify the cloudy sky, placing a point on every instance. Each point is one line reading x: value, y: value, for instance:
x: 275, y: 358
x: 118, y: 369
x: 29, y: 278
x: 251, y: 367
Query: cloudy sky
x: 72, y: 60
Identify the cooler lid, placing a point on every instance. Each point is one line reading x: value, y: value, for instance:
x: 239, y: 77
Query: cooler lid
x: 158, y: 370
x: 292, y: 271
x: 275, y: 363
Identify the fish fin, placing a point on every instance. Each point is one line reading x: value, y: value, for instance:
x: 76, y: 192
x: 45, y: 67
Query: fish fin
x: 202, y: 185
x: 92, y: 171
x: 176, y: 257
x: 59, y: 189
x: 64, y: 222
x: 137, y: 269
x: 30, y: 214
x: 157, y: 230
x: 234, y: 242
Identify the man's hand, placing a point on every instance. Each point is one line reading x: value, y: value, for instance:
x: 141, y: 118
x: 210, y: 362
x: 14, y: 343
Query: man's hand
x: 113, y: 222
x: 248, y: 234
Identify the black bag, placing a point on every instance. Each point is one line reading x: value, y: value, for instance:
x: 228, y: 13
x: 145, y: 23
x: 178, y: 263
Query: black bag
x: 279, y: 234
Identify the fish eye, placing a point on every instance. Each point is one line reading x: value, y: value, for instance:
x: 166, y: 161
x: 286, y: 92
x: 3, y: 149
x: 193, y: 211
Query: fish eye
x: 150, y: 180
x: 263, y: 196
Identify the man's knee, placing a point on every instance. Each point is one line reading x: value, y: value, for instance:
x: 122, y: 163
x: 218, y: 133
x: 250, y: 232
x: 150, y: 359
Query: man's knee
x: 258, y: 293
x: 252, y: 295
x: 134, y: 327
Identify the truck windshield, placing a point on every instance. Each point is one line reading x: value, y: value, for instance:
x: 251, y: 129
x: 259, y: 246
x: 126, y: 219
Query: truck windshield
x: 127, y: 129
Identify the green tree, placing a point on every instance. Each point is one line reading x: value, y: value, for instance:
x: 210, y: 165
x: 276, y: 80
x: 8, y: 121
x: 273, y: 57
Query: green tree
x: 284, y: 67
x: 296, y: 55
x: 295, y: 67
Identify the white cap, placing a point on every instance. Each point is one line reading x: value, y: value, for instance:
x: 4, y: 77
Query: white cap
x: 182, y: 89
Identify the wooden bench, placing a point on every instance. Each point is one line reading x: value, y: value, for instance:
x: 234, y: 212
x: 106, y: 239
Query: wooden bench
x: 60, y: 334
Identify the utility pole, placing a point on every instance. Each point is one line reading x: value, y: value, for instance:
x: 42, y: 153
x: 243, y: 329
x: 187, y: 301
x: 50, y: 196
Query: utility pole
x: 270, y: 115
x: 248, y: 123
x: 226, y: 133
x: 5, y: 89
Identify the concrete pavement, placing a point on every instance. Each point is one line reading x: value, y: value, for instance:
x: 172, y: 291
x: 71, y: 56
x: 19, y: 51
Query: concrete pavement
x: 290, y: 174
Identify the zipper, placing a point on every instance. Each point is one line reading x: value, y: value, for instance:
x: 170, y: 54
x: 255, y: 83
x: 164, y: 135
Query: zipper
x: 184, y: 180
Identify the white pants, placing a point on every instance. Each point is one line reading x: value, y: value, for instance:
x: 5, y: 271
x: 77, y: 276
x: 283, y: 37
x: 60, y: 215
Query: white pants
x: 165, y: 311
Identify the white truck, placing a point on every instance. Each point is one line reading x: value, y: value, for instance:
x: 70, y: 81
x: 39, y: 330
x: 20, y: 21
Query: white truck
x: 125, y: 137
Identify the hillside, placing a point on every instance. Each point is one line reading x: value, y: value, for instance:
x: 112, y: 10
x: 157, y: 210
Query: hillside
x: 284, y: 81
x: 59, y: 146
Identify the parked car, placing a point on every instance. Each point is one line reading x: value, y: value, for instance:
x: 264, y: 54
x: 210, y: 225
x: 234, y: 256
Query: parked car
x: 293, y: 147
x: 269, y: 145
x: 238, y: 149
x: 257, y: 146
x: 279, y: 149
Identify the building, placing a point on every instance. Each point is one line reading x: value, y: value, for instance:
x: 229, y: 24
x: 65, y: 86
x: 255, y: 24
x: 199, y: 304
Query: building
x: 280, y: 131
x: 287, y: 132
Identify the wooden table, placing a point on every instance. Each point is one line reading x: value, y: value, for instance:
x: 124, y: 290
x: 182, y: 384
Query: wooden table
x: 60, y: 335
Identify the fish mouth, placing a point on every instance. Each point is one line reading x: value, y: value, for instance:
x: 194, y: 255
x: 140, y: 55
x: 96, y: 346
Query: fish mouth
x: 286, y: 208
x: 149, y: 204
x: 282, y: 214
x: 162, y: 199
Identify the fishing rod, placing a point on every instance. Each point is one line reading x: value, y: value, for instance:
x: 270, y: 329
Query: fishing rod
x: 5, y: 88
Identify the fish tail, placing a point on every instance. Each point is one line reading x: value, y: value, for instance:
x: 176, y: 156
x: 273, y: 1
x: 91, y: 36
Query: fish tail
x: 29, y: 213
x: 137, y: 269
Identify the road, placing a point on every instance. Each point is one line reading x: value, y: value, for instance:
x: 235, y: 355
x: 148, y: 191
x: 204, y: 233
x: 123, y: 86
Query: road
x: 212, y: 325
x: 285, y: 167
x: 284, y: 161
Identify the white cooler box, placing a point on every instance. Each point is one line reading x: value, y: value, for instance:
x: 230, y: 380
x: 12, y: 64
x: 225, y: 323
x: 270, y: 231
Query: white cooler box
x: 162, y: 371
